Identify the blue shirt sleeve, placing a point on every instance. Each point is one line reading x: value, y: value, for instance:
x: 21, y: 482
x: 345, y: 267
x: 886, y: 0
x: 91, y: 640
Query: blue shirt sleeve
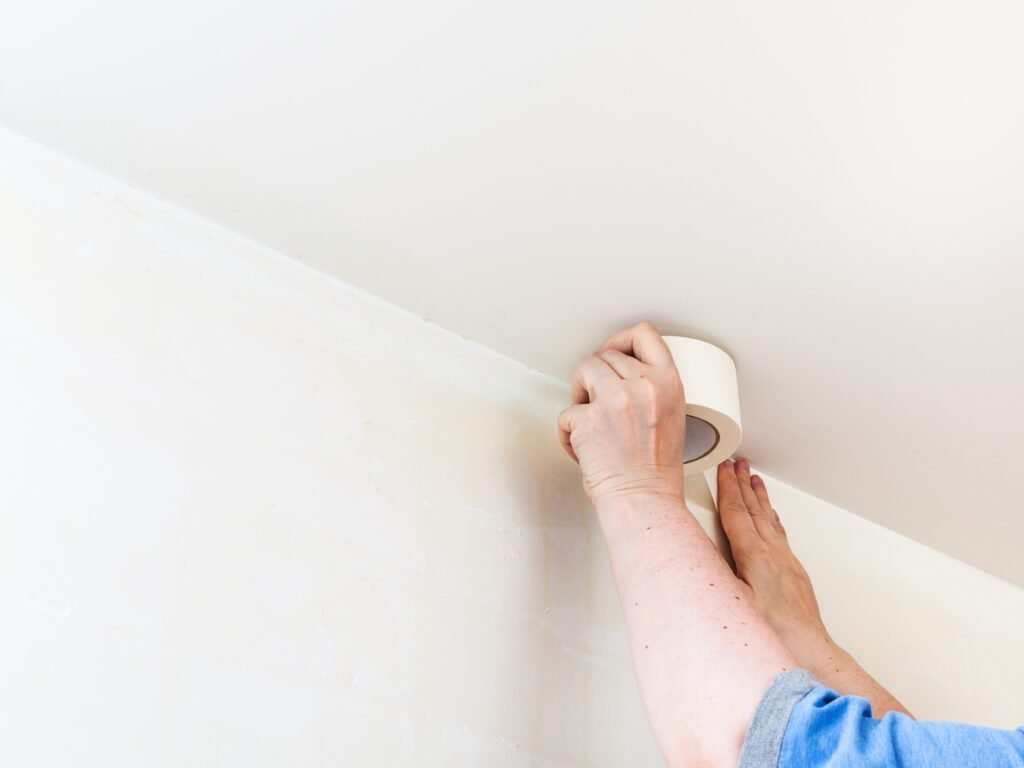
x: 827, y: 730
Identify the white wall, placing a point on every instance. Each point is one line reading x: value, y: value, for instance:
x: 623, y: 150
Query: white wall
x: 946, y: 638
x: 784, y: 180
x: 251, y: 516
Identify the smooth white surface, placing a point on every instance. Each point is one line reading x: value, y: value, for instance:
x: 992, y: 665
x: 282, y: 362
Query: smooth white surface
x: 832, y: 192
x: 945, y: 638
x: 250, y: 516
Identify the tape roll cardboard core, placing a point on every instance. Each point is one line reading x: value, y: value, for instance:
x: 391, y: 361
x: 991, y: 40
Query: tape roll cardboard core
x: 701, y: 439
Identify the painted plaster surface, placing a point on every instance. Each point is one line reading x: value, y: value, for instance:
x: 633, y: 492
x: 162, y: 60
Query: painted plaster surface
x: 832, y: 192
x: 252, y: 516
x: 945, y: 637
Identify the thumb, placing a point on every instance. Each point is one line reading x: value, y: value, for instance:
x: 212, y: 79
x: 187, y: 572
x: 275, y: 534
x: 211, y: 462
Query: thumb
x: 568, y: 420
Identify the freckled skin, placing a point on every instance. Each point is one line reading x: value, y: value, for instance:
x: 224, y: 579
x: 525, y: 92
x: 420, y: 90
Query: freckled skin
x: 699, y: 684
x: 781, y: 589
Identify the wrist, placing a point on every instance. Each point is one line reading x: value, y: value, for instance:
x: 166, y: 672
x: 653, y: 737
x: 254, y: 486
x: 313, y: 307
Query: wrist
x: 647, y: 483
x: 637, y: 503
x: 810, y: 643
x: 626, y: 513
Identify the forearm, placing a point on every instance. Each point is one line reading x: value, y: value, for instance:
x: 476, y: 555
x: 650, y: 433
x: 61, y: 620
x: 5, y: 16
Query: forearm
x: 703, y: 656
x: 834, y: 667
x: 781, y: 587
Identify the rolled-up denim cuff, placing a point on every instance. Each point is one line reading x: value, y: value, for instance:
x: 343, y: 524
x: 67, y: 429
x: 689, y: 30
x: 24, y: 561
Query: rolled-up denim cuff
x: 763, y: 744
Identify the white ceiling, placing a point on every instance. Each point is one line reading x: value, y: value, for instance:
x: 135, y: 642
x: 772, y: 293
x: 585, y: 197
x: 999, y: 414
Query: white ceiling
x: 834, y: 192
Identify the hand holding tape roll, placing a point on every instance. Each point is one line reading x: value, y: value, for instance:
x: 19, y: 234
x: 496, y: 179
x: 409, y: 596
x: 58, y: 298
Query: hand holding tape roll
x: 712, y: 419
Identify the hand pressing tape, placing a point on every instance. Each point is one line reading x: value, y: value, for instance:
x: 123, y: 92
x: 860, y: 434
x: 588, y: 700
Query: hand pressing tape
x: 713, y: 427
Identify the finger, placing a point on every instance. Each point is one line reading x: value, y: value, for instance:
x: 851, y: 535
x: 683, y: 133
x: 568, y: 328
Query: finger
x: 591, y: 374
x: 761, y: 491
x: 763, y: 519
x: 643, y: 342
x: 626, y: 366
x: 732, y: 510
x: 568, y: 420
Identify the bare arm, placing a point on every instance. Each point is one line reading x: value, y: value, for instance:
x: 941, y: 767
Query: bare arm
x: 781, y: 590
x: 703, y: 655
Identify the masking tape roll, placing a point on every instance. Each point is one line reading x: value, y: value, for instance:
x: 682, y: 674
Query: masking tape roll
x: 713, y: 426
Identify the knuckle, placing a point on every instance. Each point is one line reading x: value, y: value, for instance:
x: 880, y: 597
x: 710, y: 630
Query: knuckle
x: 648, y: 386
x: 569, y: 425
x: 578, y: 436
